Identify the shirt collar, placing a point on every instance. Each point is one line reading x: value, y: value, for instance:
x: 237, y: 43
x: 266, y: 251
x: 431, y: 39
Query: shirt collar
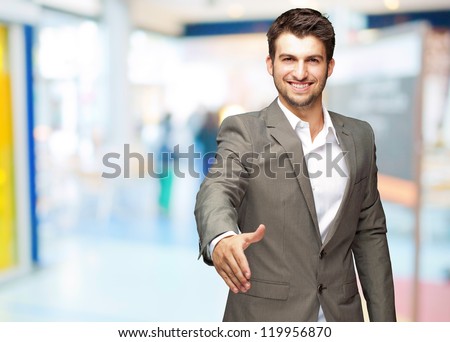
x: 294, y: 120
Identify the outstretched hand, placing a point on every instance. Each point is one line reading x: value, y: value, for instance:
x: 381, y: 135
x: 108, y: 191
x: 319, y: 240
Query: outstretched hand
x: 230, y: 261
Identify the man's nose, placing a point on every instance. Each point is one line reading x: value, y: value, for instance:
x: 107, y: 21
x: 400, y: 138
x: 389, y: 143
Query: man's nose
x: 300, y: 71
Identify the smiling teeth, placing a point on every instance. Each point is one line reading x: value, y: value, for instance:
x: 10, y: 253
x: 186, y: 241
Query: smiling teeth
x: 299, y: 86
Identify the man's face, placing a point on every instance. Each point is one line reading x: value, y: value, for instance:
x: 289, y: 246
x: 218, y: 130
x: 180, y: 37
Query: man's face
x: 300, y: 71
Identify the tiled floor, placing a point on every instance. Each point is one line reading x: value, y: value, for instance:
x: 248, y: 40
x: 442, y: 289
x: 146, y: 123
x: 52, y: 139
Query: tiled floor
x: 114, y: 279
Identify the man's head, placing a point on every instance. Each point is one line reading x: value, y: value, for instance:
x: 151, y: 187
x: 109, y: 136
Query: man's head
x: 302, y: 22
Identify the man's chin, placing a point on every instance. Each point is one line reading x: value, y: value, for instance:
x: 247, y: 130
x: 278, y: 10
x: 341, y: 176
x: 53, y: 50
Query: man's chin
x: 305, y: 103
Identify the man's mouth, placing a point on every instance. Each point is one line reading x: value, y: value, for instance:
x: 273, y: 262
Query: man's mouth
x: 300, y: 86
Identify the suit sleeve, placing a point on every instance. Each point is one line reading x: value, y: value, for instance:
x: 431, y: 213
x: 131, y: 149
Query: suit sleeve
x: 224, y: 187
x: 370, y: 248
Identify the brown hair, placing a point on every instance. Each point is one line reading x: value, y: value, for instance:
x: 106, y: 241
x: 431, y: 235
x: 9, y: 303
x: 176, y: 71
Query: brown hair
x: 302, y: 22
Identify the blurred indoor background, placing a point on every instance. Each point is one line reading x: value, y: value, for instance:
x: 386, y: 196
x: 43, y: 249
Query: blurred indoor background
x: 103, y: 103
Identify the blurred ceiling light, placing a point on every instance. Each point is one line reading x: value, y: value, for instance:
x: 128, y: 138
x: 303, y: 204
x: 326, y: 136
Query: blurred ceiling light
x: 392, y: 5
x: 236, y: 11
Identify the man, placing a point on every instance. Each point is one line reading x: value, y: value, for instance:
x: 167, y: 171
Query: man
x: 295, y: 187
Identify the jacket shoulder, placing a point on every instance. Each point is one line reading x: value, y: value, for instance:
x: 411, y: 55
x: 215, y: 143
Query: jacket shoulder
x: 251, y: 122
x: 351, y: 123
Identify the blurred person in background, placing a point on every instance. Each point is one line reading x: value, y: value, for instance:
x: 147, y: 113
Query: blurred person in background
x: 166, y: 165
x: 295, y: 186
x: 206, y: 137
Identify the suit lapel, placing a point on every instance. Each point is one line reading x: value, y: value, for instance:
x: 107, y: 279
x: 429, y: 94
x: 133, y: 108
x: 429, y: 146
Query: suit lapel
x: 348, y: 145
x: 281, y: 130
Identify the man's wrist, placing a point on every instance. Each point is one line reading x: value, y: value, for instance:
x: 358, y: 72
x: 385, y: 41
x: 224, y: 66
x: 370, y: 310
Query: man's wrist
x: 216, y: 240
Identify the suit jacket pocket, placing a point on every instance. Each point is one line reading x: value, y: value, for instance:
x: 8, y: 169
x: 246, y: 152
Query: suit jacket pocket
x: 268, y: 289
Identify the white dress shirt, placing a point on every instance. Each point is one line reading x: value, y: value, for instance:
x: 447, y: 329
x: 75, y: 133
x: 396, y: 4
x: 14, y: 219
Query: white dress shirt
x: 327, y: 182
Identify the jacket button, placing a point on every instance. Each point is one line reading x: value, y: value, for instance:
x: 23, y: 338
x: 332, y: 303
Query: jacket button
x: 322, y: 254
x: 320, y: 288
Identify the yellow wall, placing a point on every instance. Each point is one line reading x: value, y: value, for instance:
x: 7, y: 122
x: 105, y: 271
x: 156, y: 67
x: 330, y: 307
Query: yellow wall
x: 8, y: 243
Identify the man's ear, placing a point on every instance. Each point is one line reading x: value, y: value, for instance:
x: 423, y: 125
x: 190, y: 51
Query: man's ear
x: 331, y: 66
x: 269, y: 65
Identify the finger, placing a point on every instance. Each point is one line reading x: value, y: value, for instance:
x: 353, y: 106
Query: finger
x: 231, y: 280
x: 228, y: 281
x: 241, y: 260
x: 235, y: 272
x: 240, y: 270
x: 256, y: 236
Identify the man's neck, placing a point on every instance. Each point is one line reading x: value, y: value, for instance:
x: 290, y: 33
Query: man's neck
x: 312, y: 114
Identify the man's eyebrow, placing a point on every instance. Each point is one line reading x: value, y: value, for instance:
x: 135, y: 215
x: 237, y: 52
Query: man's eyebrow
x: 316, y: 56
x: 287, y: 55
x: 281, y: 55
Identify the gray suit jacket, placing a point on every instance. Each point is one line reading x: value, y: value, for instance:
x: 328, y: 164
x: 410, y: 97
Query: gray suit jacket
x: 260, y: 176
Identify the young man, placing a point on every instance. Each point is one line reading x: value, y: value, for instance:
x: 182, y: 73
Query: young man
x: 297, y: 185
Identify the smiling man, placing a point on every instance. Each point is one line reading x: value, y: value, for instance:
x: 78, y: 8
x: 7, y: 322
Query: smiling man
x: 289, y: 214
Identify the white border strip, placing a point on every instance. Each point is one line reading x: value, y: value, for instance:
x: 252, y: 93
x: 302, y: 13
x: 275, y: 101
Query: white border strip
x: 270, y: 331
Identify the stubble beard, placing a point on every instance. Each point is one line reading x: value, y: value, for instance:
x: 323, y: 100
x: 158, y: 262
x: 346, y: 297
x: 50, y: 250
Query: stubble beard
x: 307, y: 103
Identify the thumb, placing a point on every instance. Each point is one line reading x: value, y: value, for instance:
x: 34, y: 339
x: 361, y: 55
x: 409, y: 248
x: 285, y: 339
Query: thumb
x: 256, y: 236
